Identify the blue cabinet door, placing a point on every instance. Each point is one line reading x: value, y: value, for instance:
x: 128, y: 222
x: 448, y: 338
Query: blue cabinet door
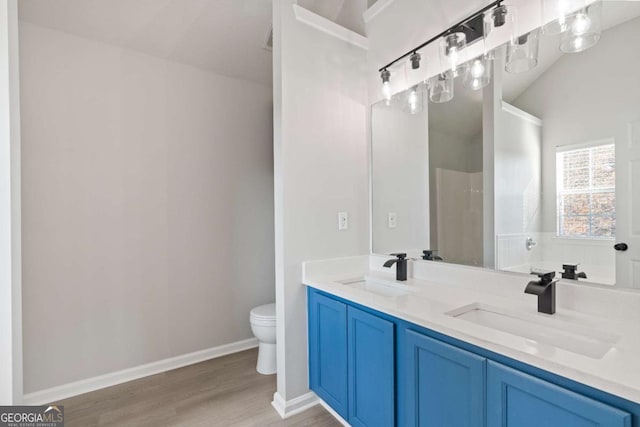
x: 328, y: 351
x: 371, y: 370
x: 442, y: 384
x: 518, y: 399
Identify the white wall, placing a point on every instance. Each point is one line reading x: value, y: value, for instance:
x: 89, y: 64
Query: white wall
x: 147, y: 207
x: 10, y: 238
x: 321, y: 152
x: 585, y: 97
x: 400, y: 180
x: 517, y: 163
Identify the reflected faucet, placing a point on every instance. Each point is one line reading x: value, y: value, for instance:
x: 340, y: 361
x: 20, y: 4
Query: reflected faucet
x: 430, y: 255
x: 401, y: 266
x: 530, y: 243
x: 545, y: 289
x: 571, y: 272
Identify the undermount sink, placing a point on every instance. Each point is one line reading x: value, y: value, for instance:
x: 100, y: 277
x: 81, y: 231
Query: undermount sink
x: 563, y: 335
x: 376, y: 287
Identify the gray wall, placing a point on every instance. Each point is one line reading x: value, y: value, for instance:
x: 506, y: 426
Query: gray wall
x: 147, y: 207
x: 321, y: 168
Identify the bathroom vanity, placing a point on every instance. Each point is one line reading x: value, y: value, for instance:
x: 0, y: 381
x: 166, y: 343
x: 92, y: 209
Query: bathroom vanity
x: 438, y: 350
x: 535, y: 167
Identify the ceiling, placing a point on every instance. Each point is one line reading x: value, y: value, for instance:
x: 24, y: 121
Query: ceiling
x: 226, y: 37
x: 347, y: 13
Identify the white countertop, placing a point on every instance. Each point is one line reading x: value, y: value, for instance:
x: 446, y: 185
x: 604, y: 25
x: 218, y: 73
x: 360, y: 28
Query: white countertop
x: 428, y: 301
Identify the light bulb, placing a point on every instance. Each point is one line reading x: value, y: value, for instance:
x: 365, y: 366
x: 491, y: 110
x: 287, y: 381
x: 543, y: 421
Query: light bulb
x: 581, y: 24
x: 453, y: 58
x: 413, y: 101
x: 385, y: 75
x: 386, y: 91
x: 477, y: 69
x: 578, y: 42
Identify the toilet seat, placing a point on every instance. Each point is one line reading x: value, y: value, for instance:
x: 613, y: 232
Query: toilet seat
x: 263, y: 315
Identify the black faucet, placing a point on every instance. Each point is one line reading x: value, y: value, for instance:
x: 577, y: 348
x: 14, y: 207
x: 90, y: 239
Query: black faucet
x: 401, y: 266
x: 430, y: 255
x: 545, y: 289
x: 571, y: 272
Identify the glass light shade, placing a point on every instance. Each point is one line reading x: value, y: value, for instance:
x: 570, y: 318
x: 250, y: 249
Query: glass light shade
x: 441, y: 87
x: 584, y: 29
x: 478, y: 73
x: 413, y: 100
x: 522, y: 52
x: 501, y: 16
x: 386, y: 92
x: 450, y: 47
x: 555, y: 14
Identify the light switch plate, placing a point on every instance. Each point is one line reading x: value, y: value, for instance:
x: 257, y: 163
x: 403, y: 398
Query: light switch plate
x: 343, y: 221
x: 392, y: 220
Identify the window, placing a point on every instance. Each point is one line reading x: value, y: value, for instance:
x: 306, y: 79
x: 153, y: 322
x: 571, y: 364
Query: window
x: 586, y: 191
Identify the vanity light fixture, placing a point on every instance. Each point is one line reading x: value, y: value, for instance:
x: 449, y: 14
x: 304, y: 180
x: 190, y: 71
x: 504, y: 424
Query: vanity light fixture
x: 583, y: 29
x: 453, y: 40
x: 385, y: 75
x: 450, y: 47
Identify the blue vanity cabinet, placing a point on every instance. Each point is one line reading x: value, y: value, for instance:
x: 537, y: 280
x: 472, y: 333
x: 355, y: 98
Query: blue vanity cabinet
x: 352, y: 361
x: 371, y: 369
x: 328, y: 351
x: 375, y: 370
x: 442, y: 385
x: 518, y: 399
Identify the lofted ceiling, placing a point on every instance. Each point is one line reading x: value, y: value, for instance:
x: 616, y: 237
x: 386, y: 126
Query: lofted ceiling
x: 347, y: 13
x: 226, y: 37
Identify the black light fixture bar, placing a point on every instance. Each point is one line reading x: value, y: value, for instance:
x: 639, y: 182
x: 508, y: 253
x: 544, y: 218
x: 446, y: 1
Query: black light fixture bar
x: 460, y: 26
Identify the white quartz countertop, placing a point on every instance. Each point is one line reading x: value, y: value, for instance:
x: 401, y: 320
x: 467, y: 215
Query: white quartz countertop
x: 427, y: 302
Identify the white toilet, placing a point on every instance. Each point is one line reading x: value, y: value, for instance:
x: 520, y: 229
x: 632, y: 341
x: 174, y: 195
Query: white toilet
x: 263, y: 325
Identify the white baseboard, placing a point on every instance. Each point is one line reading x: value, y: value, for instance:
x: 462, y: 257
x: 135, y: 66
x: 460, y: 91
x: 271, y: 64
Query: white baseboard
x: 64, y: 391
x: 334, y: 413
x: 287, y: 408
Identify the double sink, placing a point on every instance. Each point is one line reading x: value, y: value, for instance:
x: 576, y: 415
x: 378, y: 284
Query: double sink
x: 536, y: 329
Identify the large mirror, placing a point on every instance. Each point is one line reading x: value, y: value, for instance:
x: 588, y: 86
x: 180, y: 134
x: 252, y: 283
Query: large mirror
x: 539, y: 169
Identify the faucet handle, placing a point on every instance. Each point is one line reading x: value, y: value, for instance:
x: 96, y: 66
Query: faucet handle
x: 399, y: 255
x: 545, y: 276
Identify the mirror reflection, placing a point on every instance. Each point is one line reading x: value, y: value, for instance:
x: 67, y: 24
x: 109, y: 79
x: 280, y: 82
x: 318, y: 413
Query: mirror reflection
x: 531, y: 169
